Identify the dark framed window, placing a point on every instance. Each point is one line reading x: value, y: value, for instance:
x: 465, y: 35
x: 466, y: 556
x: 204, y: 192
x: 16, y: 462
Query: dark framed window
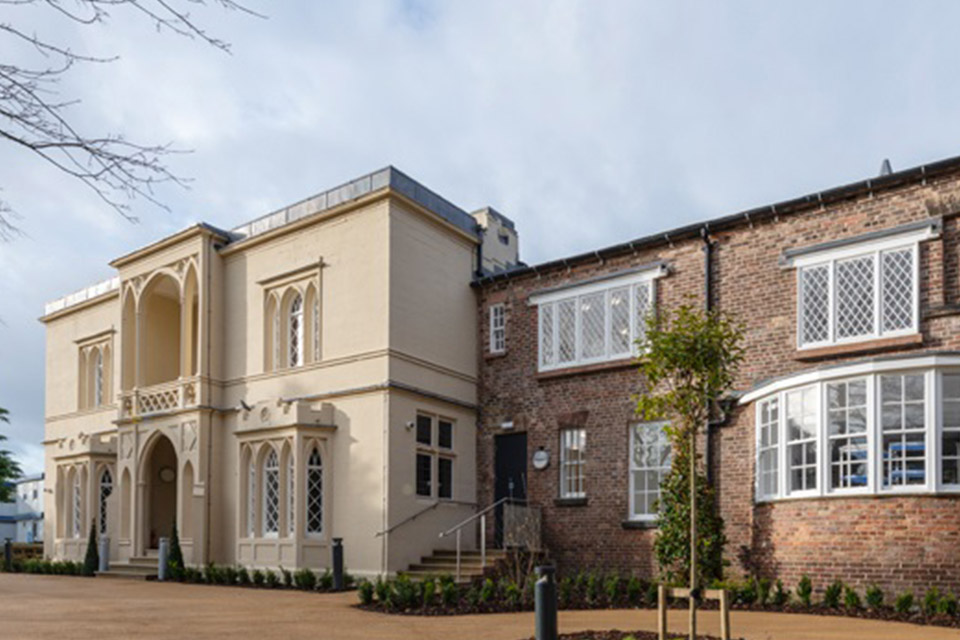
x: 445, y: 478
x: 445, y: 434
x: 424, y: 430
x: 424, y: 469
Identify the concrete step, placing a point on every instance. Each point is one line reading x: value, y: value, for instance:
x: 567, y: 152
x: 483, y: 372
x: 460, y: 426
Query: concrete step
x: 127, y: 573
x: 465, y: 578
x: 447, y: 567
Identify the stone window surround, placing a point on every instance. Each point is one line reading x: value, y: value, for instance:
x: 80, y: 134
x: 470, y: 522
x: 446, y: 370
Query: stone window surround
x: 435, y: 452
x: 932, y: 366
x: 278, y: 293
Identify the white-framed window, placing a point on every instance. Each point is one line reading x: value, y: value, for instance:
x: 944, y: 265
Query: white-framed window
x: 314, y: 481
x: 594, y: 322
x: 106, y: 489
x: 291, y: 495
x: 649, y: 464
x: 573, y: 446
x: 848, y: 444
x: 435, y: 458
x: 881, y: 428
x: 295, y: 331
x: 271, y: 495
x: 498, y: 328
x: 768, y: 447
x: 858, y: 293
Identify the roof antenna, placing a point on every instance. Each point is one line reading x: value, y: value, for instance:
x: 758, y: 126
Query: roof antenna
x: 885, y: 168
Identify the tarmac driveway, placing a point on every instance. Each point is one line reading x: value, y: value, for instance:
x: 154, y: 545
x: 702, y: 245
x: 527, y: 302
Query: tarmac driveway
x: 57, y: 607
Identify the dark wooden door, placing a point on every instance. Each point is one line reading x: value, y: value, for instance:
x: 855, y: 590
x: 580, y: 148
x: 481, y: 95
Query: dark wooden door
x: 510, y: 474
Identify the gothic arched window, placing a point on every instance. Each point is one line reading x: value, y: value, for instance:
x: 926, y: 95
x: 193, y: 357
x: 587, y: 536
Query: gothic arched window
x: 271, y: 495
x: 314, y: 492
x: 295, y: 335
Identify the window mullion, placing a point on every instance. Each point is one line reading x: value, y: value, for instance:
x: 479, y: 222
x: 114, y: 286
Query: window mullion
x: 877, y: 295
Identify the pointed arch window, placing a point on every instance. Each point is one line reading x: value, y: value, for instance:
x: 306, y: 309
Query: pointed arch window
x: 291, y: 497
x: 98, y: 378
x: 251, y: 498
x: 295, y: 326
x: 77, y: 504
x: 271, y: 495
x: 106, y: 489
x: 314, y: 493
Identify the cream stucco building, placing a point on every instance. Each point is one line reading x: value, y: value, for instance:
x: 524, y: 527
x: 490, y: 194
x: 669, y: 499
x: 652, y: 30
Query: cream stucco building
x: 309, y: 375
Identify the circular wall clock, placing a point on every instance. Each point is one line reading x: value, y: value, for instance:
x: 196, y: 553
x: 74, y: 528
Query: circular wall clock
x: 167, y: 474
x: 541, y: 459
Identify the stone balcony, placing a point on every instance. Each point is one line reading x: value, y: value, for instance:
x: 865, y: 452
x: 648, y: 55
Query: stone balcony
x: 165, y: 397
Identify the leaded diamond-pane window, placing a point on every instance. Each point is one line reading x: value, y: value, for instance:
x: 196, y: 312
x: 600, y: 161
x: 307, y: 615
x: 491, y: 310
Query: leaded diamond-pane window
x: 868, y: 296
x: 815, y: 304
x: 314, y: 492
x: 296, y: 331
x: 98, y: 380
x: 77, y: 505
x: 271, y: 495
x: 106, y: 488
x: 855, y: 308
x: 897, y: 289
x: 291, y: 495
x: 251, y: 499
x: 603, y: 322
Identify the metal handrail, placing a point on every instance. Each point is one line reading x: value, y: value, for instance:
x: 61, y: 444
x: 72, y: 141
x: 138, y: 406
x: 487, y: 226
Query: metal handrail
x: 482, y: 515
x: 421, y: 512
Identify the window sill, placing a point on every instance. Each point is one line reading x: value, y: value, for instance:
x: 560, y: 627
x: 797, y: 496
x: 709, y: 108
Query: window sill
x: 639, y: 524
x: 570, y: 502
x: 882, y: 344
x: 613, y: 365
x: 494, y: 355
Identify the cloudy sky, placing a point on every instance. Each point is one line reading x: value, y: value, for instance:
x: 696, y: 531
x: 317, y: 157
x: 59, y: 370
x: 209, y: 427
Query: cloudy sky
x: 586, y: 122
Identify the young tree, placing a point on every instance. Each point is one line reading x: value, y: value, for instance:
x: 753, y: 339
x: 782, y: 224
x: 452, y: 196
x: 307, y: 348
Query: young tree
x: 91, y: 561
x: 690, y: 359
x: 175, y: 559
x: 36, y: 119
x: 9, y: 468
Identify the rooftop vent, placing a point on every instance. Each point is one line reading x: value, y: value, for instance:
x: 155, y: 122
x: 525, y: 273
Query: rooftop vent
x: 885, y: 168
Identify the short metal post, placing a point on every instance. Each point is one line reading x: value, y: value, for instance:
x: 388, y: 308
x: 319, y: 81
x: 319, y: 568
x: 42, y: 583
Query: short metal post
x: 338, y: 564
x: 724, y: 615
x: 458, y: 554
x: 104, y: 554
x: 7, y: 554
x: 483, y: 541
x: 546, y: 604
x: 662, y: 612
x: 162, y: 558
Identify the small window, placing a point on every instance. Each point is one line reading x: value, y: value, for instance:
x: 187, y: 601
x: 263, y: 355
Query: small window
x: 572, y: 459
x: 424, y: 430
x: 445, y: 478
x: 649, y: 465
x: 498, y: 328
x: 445, y: 434
x: 504, y: 238
x: 424, y: 464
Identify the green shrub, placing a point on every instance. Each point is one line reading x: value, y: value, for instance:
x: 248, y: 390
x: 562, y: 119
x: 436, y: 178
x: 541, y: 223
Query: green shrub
x: 653, y: 593
x: 748, y: 593
x: 512, y: 595
x: 258, y: 578
x: 382, y: 589
x: 91, y: 561
x: 348, y: 580
x: 243, y: 576
x: 193, y: 575
x: 903, y: 603
x: 947, y: 605
x: 428, y: 592
x: 565, y: 592
x: 781, y: 596
x: 488, y: 591
x: 271, y: 579
x: 287, y: 577
x: 305, y: 580
x: 930, y: 601
x: 831, y: 595
x: 472, y: 596
x: 851, y: 599
x: 365, y: 592
x: 325, y: 581
x: 805, y: 590
x: 230, y: 575
x: 593, y: 589
x: 874, y: 597
x: 634, y: 591
x: 612, y: 589
x: 448, y: 593
x: 763, y: 591
x: 211, y: 574
x: 175, y: 564
x: 403, y: 594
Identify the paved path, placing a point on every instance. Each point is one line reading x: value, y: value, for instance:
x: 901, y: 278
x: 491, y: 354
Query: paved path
x: 62, y: 608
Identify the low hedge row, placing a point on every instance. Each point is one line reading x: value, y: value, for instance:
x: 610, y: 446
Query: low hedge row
x: 302, y: 579
x: 48, y: 567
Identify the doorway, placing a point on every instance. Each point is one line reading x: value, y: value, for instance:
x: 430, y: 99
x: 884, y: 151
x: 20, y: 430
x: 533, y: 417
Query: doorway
x: 510, y: 475
x: 161, y: 508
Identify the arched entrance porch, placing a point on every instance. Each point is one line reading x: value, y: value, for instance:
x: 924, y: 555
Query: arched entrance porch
x: 159, y: 482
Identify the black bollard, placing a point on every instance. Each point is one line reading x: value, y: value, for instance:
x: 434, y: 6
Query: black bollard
x: 546, y: 604
x: 8, y: 555
x: 338, y: 564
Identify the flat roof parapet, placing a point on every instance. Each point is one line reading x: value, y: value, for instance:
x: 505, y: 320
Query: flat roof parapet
x: 87, y: 293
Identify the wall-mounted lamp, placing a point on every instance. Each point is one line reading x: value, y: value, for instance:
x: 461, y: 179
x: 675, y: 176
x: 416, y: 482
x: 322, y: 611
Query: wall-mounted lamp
x: 410, y: 425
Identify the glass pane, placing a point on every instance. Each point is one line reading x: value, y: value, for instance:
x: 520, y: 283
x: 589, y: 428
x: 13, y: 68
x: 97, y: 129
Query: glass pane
x: 951, y: 385
x: 592, y: 325
x: 423, y: 474
x: 567, y: 330
x: 913, y: 416
x: 857, y: 421
x: 445, y: 434
x: 951, y: 413
x: 424, y: 430
x: 913, y: 387
x: 855, y: 297
x: 890, y: 388
x: 445, y: 478
x: 620, y: 321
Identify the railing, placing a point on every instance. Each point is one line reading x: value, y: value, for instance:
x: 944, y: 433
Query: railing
x: 516, y: 520
x: 420, y: 513
x: 166, y: 396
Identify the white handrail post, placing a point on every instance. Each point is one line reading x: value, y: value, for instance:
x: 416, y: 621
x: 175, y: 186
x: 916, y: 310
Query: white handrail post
x: 483, y: 541
x: 458, y: 554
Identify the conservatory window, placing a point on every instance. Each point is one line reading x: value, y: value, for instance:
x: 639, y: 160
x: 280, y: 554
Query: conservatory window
x: 801, y: 407
x: 847, y: 444
x: 768, y: 448
x: 271, y: 495
x: 903, y: 419
x: 950, y: 438
x: 594, y: 322
x: 649, y: 465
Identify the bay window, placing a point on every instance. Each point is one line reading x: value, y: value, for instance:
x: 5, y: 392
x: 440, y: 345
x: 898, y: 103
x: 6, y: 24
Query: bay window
x: 596, y: 321
x: 873, y: 427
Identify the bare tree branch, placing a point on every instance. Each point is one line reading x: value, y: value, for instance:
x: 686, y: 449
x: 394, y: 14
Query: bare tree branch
x: 35, y: 118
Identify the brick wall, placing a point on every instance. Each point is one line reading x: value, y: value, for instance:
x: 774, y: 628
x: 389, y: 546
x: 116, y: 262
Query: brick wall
x: 827, y: 536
